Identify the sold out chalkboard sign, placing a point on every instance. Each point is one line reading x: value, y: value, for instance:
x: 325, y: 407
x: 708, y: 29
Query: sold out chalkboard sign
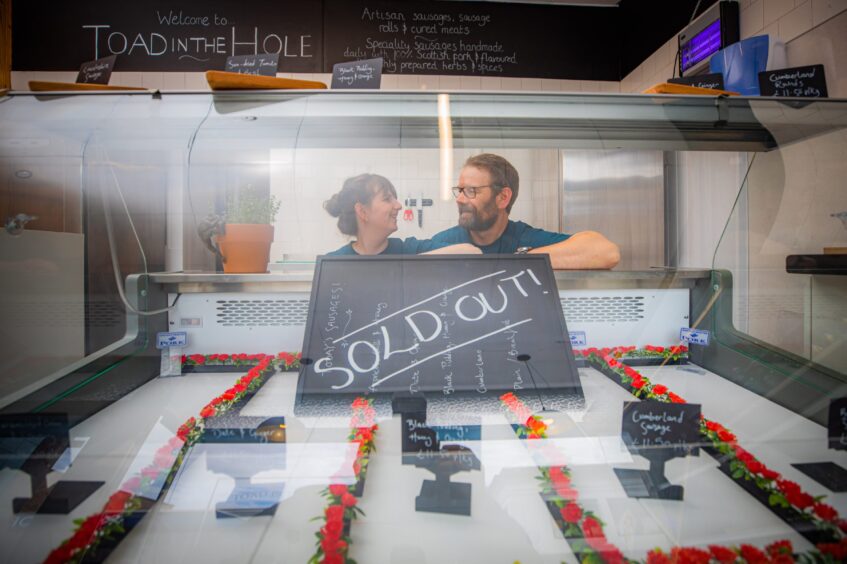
x: 441, y: 325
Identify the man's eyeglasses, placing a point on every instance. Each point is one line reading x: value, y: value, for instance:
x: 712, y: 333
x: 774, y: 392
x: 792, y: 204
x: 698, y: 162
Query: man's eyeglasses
x: 470, y: 192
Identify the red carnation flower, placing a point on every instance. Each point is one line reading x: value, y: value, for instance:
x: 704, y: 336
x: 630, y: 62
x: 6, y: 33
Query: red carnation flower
x: 558, y: 477
x: 780, y: 547
x: 332, y: 558
x: 348, y: 499
x: 334, y: 512
x: 657, y: 557
x: 568, y: 493
x: 334, y: 528
x: 675, y: 398
x: 825, y: 512
x: 689, y: 555
x: 786, y: 486
x: 116, y: 503
x: 726, y: 436
x: 591, y: 528
x: 207, y: 411
x: 571, y: 513
x: 753, y: 555
x: 837, y: 550
x: 754, y: 466
x: 338, y: 489
x: 722, y: 554
x: 770, y: 474
x: 638, y: 382
x: 800, y: 500
x: 660, y: 390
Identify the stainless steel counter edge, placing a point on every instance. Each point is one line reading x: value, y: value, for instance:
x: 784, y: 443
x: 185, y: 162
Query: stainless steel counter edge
x: 301, y: 280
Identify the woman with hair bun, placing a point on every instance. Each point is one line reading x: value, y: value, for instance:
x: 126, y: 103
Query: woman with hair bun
x: 367, y: 208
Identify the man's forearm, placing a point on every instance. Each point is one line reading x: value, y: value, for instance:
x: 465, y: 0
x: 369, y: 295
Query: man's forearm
x: 583, y: 250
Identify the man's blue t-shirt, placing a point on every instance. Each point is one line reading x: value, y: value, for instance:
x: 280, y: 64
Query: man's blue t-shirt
x: 517, y: 234
x: 408, y: 246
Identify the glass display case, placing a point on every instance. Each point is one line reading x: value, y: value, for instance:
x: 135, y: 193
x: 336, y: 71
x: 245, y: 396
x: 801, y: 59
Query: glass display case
x: 154, y: 406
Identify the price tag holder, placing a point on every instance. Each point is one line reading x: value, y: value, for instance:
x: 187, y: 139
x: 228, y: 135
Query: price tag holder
x: 694, y: 336
x: 659, y: 432
x: 357, y: 74
x: 171, y: 345
x: 794, y: 82
x: 578, y: 339
x: 263, y: 64
x: 96, y: 72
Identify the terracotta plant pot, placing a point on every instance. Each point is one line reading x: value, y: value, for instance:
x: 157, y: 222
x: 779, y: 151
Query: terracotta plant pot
x: 246, y: 247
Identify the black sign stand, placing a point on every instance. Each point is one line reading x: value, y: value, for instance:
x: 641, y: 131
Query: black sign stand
x: 49, y: 434
x: 421, y: 448
x: 829, y: 474
x: 650, y: 483
x: 646, y: 427
x: 234, y: 428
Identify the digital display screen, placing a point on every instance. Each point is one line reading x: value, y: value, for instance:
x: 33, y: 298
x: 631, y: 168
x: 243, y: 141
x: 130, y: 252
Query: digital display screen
x: 702, y: 45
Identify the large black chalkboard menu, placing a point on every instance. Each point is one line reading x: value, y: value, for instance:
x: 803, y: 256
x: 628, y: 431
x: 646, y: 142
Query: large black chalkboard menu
x: 447, y: 326
x: 412, y: 36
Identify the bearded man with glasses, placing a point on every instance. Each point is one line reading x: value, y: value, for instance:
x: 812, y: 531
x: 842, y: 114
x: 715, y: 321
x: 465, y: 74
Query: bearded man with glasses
x: 487, y: 190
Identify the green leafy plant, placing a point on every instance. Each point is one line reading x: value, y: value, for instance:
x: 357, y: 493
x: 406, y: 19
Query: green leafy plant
x: 249, y: 205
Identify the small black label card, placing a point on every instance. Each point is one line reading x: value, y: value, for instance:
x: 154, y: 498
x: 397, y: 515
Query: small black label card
x: 357, y: 74
x: 417, y: 437
x: 714, y: 81
x: 666, y: 429
x: 97, y: 71
x: 837, y: 426
x: 261, y: 64
x: 796, y: 82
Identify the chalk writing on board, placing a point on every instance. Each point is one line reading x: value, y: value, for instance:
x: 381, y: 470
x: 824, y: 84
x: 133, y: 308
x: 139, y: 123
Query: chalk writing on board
x: 651, y: 425
x: 444, y: 326
x: 197, y: 36
x: 261, y: 64
x: 96, y: 72
x: 431, y: 42
x: 470, y: 306
x: 806, y: 82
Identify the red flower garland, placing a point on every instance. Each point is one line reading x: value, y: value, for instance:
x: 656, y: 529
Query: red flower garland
x: 91, y: 530
x: 557, y: 481
x: 744, y: 465
x: 332, y: 544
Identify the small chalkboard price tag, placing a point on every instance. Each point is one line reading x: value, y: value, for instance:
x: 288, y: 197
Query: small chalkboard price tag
x: 97, y: 71
x: 417, y: 437
x: 714, y: 81
x: 837, y: 427
x: 650, y: 426
x: 658, y: 432
x: 357, y: 74
x: 264, y: 64
x: 795, y: 82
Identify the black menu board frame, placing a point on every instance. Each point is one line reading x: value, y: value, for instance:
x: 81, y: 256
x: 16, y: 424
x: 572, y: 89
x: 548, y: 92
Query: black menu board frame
x: 453, y: 308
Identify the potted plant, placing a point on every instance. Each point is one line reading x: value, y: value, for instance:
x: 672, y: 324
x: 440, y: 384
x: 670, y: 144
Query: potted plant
x: 248, y: 231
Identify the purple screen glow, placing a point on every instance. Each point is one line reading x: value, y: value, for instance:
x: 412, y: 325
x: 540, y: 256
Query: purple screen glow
x: 702, y: 45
